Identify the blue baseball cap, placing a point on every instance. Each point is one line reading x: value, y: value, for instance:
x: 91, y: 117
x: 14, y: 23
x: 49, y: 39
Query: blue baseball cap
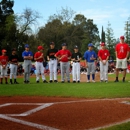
x: 26, y: 46
x: 64, y: 44
x: 90, y: 45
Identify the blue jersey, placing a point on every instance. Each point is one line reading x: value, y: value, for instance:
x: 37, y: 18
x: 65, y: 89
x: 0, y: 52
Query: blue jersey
x: 27, y: 53
x: 89, y: 54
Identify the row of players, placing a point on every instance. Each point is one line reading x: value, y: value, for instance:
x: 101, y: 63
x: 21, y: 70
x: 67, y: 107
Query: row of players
x: 64, y: 56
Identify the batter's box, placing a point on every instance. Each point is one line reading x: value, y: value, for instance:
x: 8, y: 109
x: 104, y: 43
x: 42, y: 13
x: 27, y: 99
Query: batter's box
x: 22, y: 109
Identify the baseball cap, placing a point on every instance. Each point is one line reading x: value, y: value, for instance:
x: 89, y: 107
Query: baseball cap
x: 64, y: 44
x: 40, y: 48
x: 102, y: 44
x: 90, y: 45
x: 26, y: 46
x: 75, y: 47
x: 122, y: 37
x: 14, y: 49
x: 4, y: 51
x: 52, y: 43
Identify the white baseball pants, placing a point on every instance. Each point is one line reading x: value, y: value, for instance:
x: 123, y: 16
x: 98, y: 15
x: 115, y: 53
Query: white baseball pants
x: 76, y: 71
x: 13, y: 71
x: 103, y: 71
x: 39, y: 70
x: 53, y: 69
x: 3, y: 71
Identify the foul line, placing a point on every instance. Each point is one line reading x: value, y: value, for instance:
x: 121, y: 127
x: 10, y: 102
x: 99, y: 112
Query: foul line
x: 42, y: 127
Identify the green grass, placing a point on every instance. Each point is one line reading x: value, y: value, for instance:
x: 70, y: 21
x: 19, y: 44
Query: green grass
x: 78, y: 90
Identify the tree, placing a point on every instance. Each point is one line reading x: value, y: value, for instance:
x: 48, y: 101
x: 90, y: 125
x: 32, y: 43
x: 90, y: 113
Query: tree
x: 127, y: 29
x: 103, y: 35
x: 110, y: 40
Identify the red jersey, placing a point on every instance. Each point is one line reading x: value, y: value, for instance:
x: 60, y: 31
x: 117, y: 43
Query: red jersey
x: 38, y: 54
x: 103, y: 54
x: 4, y: 59
x: 122, y: 49
x: 65, y: 54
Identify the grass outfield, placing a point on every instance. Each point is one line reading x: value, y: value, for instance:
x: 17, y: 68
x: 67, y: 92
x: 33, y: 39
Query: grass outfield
x: 78, y: 90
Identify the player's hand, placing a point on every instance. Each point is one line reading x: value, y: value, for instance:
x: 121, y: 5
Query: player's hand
x: 4, y: 66
x: 86, y: 65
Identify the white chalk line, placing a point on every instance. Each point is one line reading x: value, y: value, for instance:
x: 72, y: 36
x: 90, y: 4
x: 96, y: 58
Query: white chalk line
x: 44, y: 105
x: 42, y: 127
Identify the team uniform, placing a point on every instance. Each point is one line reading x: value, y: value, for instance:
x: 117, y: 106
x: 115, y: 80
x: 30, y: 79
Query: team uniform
x: 91, y: 64
x: 13, y: 59
x: 64, y: 63
x: 76, y: 66
x: 27, y: 65
x: 121, y: 50
x: 39, y: 57
x: 103, y: 54
x: 3, y: 67
x: 52, y: 64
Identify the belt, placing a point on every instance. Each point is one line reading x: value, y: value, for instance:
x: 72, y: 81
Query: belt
x: 52, y: 58
x: 26, y: 59
x: 76, y: 61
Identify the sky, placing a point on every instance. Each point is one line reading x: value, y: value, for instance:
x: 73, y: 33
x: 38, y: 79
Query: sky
x: 116, y: 12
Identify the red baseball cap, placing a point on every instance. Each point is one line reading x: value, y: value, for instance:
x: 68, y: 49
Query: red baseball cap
x: 4, y: 51
x: 122, y: 37
x: 40, y: 48
x: 102, y: 44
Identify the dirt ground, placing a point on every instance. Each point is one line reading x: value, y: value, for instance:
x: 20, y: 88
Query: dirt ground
x: 28, y: 113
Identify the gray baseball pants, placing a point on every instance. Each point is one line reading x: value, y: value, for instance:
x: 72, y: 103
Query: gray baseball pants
x: 65, y: 66
x: 91, y: 68
x: 27, y: 68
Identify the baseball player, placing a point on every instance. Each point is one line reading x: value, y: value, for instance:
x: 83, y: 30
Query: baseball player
x: 52, y: 62
x: 122, y: 53
x: 4, y: 62
x: 13, y: 60
x: 103, y: 55
x: 64, y: 56
x: 76, y: 57
x: 39, y: 58
x: 90, y: 56
x: 27, y: 56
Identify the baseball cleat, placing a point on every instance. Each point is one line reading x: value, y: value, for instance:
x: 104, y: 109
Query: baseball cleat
x: 74, y: 81
x: 78, y: 81
x: 116, y: 81
x: 37, y: 81
x: 93, y: 81
x: 55, y: 81
x: 88, y: 81
x: 45, y: 81
x: 50, y: 81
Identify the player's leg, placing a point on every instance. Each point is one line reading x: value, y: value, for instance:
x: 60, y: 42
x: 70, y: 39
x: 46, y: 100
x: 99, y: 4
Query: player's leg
x: 15, y: 74
x: 67, y: 66
x: 101, y: 71
x: 62, y: 68
x: 37, y: 72
x: 11, y: 73
x: 124, y: 67
x: 2, y: 74
x: 93, y: 71
x: 51, y: 70
x: 88, y: 72
x: 118, y: 66
x: 55, y: 70
x: 106, y: 71
x: 28, y: 71
x: 25, y: 67
x: 74, y: 72
x: 6, y: 75
x: 42, y: 73
x: 78, y: 72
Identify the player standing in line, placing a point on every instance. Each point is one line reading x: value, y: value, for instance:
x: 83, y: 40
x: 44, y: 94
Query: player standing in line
x: 76, y: 57
x: 39, y: 58
x: 103, y: 55
x: 90, y: 57
x: 52, y: 62
x: 27, y: 56
x: 64, y: 56
x: 122, y: 53
x: 4, y: 62
x: 13, y: 60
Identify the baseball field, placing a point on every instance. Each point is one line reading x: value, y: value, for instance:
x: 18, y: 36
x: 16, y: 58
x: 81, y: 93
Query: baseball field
x: 66, y: 106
